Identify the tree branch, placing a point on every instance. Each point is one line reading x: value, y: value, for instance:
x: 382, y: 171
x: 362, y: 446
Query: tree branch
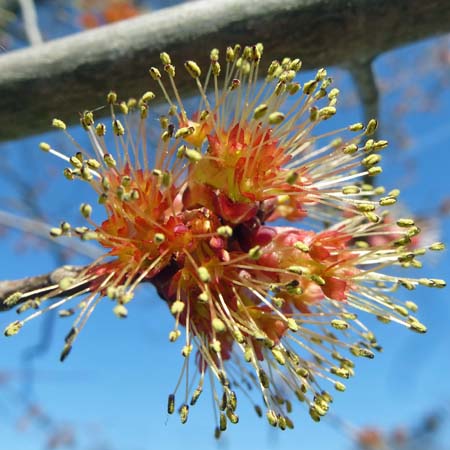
x: 74, y: 73
x: 36, y: 286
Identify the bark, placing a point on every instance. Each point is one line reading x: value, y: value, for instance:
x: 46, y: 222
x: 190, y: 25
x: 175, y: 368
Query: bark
x: 35, y: 286
x: 69, y: 75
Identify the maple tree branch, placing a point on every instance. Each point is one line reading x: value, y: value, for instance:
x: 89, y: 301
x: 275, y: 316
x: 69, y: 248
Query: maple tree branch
x: 69, y: 75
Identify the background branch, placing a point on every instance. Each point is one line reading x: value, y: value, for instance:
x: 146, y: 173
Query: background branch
x: 74, y: 73
x: 30, y: 20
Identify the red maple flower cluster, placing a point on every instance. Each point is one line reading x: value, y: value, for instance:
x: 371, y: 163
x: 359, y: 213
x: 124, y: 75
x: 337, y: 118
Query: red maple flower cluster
x: 258, y: 232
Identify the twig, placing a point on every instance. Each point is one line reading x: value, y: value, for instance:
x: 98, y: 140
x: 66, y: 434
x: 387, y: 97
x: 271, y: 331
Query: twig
x: 41, y: 230
x: 44, y: 283
x: 30, y: 22
x: 72, y: 74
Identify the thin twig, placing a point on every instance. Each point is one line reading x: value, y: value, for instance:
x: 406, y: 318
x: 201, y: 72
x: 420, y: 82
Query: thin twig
x: 41, y: 230
x: 30, y: 22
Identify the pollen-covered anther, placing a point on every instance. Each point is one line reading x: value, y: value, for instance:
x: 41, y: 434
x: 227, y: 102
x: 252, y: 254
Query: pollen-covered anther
x: 193, y: 69
x: 13, y: 299
x: 148, y: 96
x: 186, y: 350
x: 118, y: 128
x: 87, y: 119
x: 218, y: 325
x: 379, y: 145
x: 159, y: 238
x: 154, y: 73
x: 372, y: 125
x: 416, y: 326
x: 44, y: 147
x: 192, y: 155
x: 260, y: 111
x: 327, y: 112
x: 432, y: 282
x: 203, y: 274
x: 371, y: 160
x: 279, y: 356
x: 292, y: 177
x: 100, y: 129
x: 276, y: 118
x: 174, y: 335
x: 373, y: 171
x: 437, y: 246
x: 350, y: 149
x: 339, y: 324
x: 309, y: 87
x: 184, y: 412
x: 272, y: 417
x: 361, y: 352
x: 298, y: 270
x: 13, y: 328
x: 90, y: 236
x: 340, y: 372
x: 255, y: 252
x: 111, y: 98
x: 120, y: 311
x: 86, y: 210
x: 184, y: 132
x: 109, y: 160
x: 365, y: 207
x: 177, y: 307
x: 57, y: 123
x: 387, y: 201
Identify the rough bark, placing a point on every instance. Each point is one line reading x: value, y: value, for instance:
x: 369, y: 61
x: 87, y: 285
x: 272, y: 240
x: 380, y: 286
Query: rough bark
x: 69, y: 75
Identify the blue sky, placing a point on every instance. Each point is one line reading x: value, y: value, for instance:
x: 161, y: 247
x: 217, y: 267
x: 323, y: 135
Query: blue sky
x: 114, y: 385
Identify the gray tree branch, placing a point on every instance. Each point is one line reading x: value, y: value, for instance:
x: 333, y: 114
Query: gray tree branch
x: 35, y: 286
x: 74, y: 73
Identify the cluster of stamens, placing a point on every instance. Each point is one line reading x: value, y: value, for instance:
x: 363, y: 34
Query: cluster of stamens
x: 261, y: 304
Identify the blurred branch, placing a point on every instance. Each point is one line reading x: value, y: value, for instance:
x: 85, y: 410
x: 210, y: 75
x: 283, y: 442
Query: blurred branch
x: 366, y: 87
x: 74, y: 73
x: 30, y: 21
x: 41, y: 230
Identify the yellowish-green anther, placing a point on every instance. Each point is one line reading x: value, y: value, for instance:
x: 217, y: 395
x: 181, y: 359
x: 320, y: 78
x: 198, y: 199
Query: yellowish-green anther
x: 260, y: 111
x: 387, y: 201
x: 148, y: 96
x: 373, y: 171
x: 225, y: 231
x: 120, y: 311
x: 165, y: 58
x: 193, y: 155
x: 13, y: 328
x: 118, y: 128
x: 349, y: 190
x: 204, y: 274
x: 154, y: 73
x: 255, y: 252
x: 13, y: 299
x: 339, y: 324
x: 218, y: 325
x: 86, y: 210
x: 276, y: 118
x: 111, y: 98
x: 44, y: 147
x: 57, y: 123
x: 371, y: 127
x: 193, y: 69
x: 437, y: 246
x: 327, y: 112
